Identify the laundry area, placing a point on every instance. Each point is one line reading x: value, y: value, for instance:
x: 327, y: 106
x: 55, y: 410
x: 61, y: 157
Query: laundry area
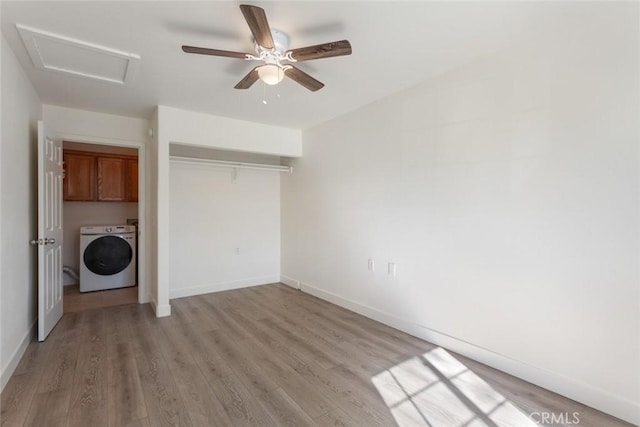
x: 100, y: 217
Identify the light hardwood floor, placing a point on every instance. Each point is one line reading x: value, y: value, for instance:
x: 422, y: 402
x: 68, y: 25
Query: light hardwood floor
x: 75, y: 301
x: 267, y: 355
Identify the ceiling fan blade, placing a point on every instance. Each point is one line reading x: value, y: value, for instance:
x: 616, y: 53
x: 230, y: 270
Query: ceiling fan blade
x: 258, y: 24
x: 303, y: 78
x: 325, y: 50
x: 214, y: 52
x: 248, y: 80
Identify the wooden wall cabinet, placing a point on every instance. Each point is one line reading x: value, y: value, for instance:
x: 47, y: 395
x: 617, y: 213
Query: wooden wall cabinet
x: 100, y: 177
x: 79, y: 177
x: 111, y: 174
x: 131, y: 180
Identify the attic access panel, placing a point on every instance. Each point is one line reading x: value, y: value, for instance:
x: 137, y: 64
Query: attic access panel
x: 55, y: 52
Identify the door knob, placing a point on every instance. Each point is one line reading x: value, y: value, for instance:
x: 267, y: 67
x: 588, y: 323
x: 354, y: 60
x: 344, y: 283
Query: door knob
x: 45, y: 241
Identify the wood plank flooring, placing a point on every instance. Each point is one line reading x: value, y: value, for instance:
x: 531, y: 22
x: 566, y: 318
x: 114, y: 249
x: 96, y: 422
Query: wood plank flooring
x: 75, y: 301
x: 261, y: 356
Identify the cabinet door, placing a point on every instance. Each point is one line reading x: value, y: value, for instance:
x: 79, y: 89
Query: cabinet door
x: 132, y: 180
x: 79, y: 177
x: 111, y: 173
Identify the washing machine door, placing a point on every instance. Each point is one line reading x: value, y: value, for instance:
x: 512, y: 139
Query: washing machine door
x: 108, y: 255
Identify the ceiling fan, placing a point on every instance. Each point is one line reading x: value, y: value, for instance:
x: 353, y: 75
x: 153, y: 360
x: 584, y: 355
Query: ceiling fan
x: 272, y: 48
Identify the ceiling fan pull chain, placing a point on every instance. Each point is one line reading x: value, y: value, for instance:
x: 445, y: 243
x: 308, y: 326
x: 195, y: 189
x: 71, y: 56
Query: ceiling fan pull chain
x: 264, y: 93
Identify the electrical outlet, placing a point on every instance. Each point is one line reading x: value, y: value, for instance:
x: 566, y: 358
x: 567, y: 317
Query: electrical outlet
x: 392, y: 269
x: 371, y: 265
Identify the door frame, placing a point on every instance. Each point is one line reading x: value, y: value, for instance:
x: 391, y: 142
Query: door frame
x: 143, y: 288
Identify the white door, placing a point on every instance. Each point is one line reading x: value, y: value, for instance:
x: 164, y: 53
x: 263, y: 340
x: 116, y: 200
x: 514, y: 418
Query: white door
x: 49, y: 232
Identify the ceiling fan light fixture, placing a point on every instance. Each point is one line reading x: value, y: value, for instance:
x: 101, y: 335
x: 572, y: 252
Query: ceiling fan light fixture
x: 272, y: 49
x: 271, y: 74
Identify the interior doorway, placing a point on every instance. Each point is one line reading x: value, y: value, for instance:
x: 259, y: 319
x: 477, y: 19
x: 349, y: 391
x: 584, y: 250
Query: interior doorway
x: 102, y: 200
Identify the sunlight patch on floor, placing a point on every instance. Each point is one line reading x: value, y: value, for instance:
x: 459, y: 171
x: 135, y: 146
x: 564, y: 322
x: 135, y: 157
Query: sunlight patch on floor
x: 435, y: 389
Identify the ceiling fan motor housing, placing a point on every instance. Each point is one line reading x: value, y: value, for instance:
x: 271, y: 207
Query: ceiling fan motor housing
x: 280, y: 42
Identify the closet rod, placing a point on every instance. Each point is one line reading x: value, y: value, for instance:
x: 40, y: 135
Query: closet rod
x: 233, y: 165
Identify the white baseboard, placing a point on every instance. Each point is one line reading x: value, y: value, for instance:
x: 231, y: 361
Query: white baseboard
x: 222, y: 286
x: 290, y: 282
x: 143, y: 299
x: 11, y: 366
x: 160, y: 310
x: 569, y: 387
x: 163, y: 310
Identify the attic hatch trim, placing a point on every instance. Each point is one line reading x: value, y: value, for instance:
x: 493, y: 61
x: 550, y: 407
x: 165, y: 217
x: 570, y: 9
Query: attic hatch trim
x: 30, y: 36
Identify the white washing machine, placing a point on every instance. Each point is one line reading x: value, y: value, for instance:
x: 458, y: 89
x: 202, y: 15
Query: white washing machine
x: 107, y: 257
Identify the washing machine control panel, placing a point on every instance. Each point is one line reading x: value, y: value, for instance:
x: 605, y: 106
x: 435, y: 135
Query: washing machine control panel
x: 108, y: 229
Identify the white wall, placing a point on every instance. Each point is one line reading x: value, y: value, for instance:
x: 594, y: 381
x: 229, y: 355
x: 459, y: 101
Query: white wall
x: 161, y: 150
x: 21, y: 108
x: 507, y: 191
x: 225, y: 233
x: 152, y: 212
x: 88, y: 127
x: 205, y: 130
x: 81, y: 214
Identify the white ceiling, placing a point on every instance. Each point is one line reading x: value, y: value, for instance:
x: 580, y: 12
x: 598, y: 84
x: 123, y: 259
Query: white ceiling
x: 395, y: 45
